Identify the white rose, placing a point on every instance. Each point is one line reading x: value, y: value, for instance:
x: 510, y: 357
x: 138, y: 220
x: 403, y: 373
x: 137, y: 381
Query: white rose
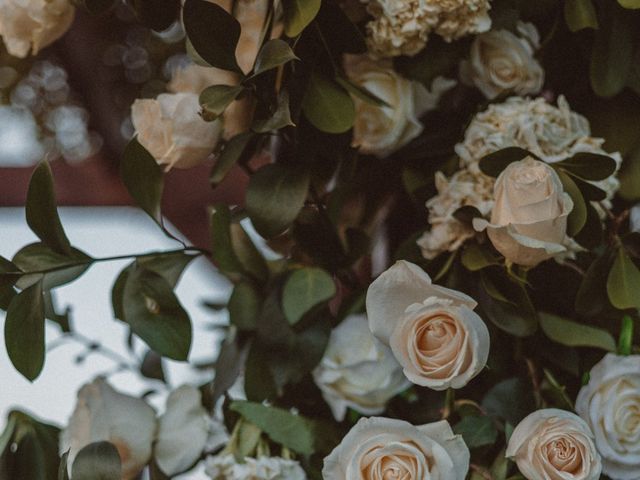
x: 501, y: 61
x: 529, y: 217
x: 225, y: 467
x: 634, y: 220
x: 610, y: 404
x: 553, y: 444
x: 171, y: 129
x: 383, y: 448
x: 458, y: 18
x: 380, y: 130
x: 183, y: 431
x: 102, y: 414
x: 30, y: 25
x: 433, y: 331
x: 357, y: 370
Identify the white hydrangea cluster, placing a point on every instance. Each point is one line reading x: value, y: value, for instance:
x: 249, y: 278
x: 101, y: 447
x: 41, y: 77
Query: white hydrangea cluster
x: 225, y: 467
x: 402, y: 27
x: 553, y: 133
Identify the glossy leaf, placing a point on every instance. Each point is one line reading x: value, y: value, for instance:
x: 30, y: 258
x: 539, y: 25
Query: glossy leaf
x: 232, y: 152
x: 305, y: 288
x: 62, y: 269
x: 24, y: 331
x: 213, y: 33
x: 623, y: 282
x: 275, y: 195
x: 41, y: 211
x: 298, y: 14
x: 274, y: 53
x: 589, y: 166
x: 223, y: 254
x: 248, y: 255
x: 97, y: 461
x: 215, y: 99
x: 143, y: 178
x: 328, y: 106
x: 494, y: 163
x: 244, y: 306
x: 573, y: 334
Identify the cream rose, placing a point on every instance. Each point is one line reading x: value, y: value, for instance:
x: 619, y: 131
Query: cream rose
x: 553, y: 444
x: 433, y: 331
x: 171, y: 129
x: 529, y: 217
x: 102, y: 414
x: 380, y: 130
x: 357, y: 370
x: 501, y: 61
x: 610, y: 404
x: 382, y: 448
x: 225, y: 467
x: 30, y: 25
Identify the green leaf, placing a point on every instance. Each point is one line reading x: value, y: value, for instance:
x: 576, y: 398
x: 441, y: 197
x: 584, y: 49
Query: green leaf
x: 223, y: 254
x: 623, y: 283
x: 580, y: 14
x: 573, y: 334
x: 476, y: 257
x: 510, y: 400
x: 232, y: 152
x: 279, y: 118
x: 328, y: 106
x: 274, y: 53
x: 275, y: 195
x: 613, y: 49
x: 215, y: 99
x: 305, y: 288
x: 298, y: 14
x: 244, y: 307
x: 41, y: 211
x: 466, y: 214
x: 477, y: 431
x: 151, y: 366
x: 292, y: 431
x: 97, y: 461
x: 360, y: 92
x: 589, y: 166
x: 143, y: 178
x: 630, y: 4
x: 591, y: 234
x: 169, y: 265
x: 24, y: 331
x: 63, y: 469
x: 589, y: 190
x: 213, y: 33
x: 494, y: 163
x: 231, y: 361
x: 154, y: 313
x: 38, y: 257
x: 248, y: 255
x: 592, y: 298
x: 158, y: 15
x: 578, y: 216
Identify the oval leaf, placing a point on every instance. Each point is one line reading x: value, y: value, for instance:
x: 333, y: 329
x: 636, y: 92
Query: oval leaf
x: 477, y: 431
x: 306, y: 288
x: 274, y: 53
x: 580, y: 14
x: 215, y: 99
x: 623, y: 283
x: 143, y: 178
x: 244, y: 307
x: 298, y: 14
x: 97, y: 461
x: 328, y: 106
x: 494, y: 163
x: 573, y: 334
x: 578, y: 216
x: 631, y: 4
x: 275, y: 195
x: 231, y: 153
x: 589, y: 166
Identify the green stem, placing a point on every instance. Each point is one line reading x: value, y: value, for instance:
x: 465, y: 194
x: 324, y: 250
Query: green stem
x: 625, y: 342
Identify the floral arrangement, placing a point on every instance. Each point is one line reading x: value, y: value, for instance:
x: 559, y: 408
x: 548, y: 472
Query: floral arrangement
x: 452, y: 282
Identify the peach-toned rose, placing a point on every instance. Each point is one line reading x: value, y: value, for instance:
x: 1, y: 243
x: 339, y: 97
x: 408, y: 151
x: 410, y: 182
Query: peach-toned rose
x: 33, y: 24
x: 610, y: 404
x: 171, y: 129
x: 433, y: 331
x: 382, y: 448
x: 553, y: 444
x: 529, y: 217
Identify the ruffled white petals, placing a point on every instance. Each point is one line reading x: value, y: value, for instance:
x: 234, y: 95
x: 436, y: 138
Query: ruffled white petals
x: 225, y: 467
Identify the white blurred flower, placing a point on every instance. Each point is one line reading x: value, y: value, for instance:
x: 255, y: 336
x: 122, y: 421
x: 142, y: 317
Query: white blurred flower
x: 19, y: 142
x: 357, y: 370
x: 30, y: 25
x: 225, y: 467
x: 610, y: 404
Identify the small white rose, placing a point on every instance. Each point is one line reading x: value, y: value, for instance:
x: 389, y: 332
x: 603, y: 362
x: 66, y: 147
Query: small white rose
x: 554, y: 444
x: 380, y: 130
x: 610, y: 404
x: 103, y: 414
x: 433, y: 331
x: 225, y: 467
x: 183, y: 431
x: 501, y: 61
x: 30, y: 25
x: 529, y: 217
x: 171, y: 129
x: 357, y: 370
x: 383, y: 448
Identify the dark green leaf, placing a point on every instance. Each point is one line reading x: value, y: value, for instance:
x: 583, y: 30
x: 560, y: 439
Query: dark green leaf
x: 305, y: 288
x: 215, y: 99
x: 95, y: 7
x: 231, y: 361
x: 623, y: 282
x: 476, y: 257
x: 63, y: 469
x: 170, y: 265
x: 259, y: 383
x: 591, y: 234
x: 275, y: 195
x: 631, y: 4
x: 250, y: 258
x: 232, y: 152
x: 578, y: 216
x: 360, y: 92
x: 244, y: 306
x: 274, y: 53
x: 37, y: 257
x: 117, y: 292
x: 97, y: 461
x: 510, y: 400
x: 151, y: 366
x: 573, y: 334
x: 580, y: 14
x: 223, y: 254
x: 328, y: 106
x: 41, y: 211
x: 589, y: 166
x: 279, y: 118
x: 292, y: 431
x: 143, y: 178
x: 466, y: 214
x: 589, y: 190
x: 477, y: 431
x: 338, y: 31
x: 298, y: 14
x: 494, y: 163
x: 438, y: 58
x: 154, y: 314
x: 592, y: 297
x: 213, y: 33
x: 158, y: 15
